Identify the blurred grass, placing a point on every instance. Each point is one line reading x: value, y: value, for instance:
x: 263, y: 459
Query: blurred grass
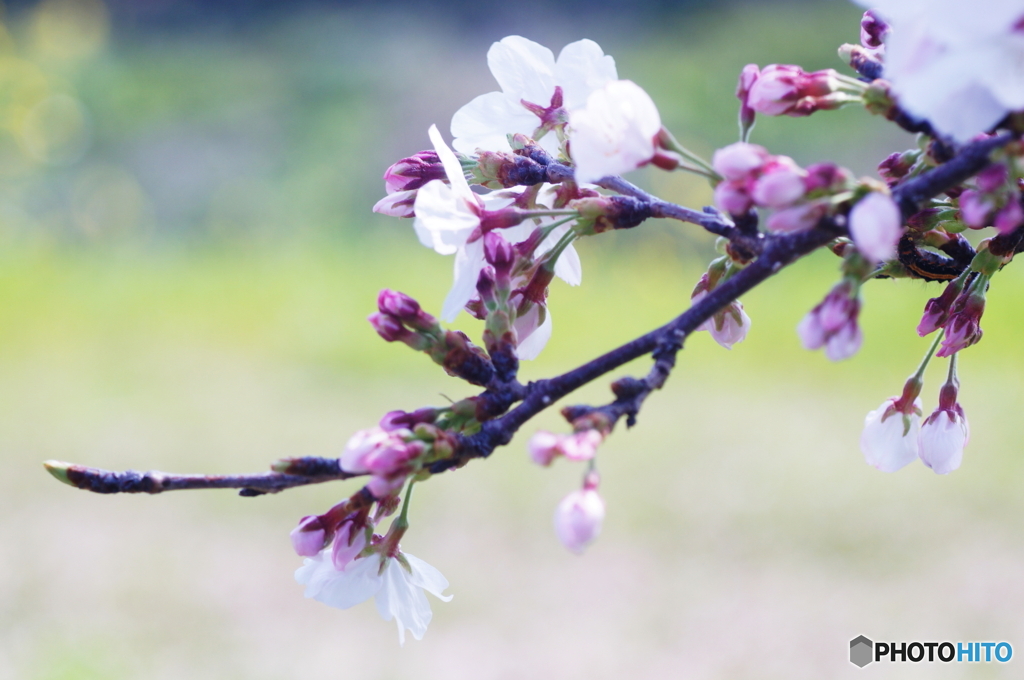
x: 189, y: 294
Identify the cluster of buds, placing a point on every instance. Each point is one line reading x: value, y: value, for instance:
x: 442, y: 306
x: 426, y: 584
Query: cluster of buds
x: 894, y: 436
x: 401, y: 319
x: 782, y: 89
x: 545, y: 446
x: 389, y: 456
x: 730, y: 324
x: 832, y: 324
x: 754, y: 177
x: 997, y: 199
x: 866, y: 58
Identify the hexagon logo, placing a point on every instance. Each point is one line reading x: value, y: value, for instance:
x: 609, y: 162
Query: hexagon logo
x: 861, y: 650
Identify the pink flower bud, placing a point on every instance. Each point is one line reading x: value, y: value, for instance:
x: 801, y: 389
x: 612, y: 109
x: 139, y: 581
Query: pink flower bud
x: 400, y: 204
x: 581, y: 445
x: 738, y: 161
x: 349, y: 541
x: 498, y: 251
x: 397, y: 304
x: 732, y: 197
x: 729, y: 326
x: 937, y: 310
x: 992, y: 178
x: 365, y: 444
x: 832, y: 324
x: 748, y: 76
x: 783, y: 89
x: 797, y: 218
x: 388, y: 327
x: 876, y: 225
x: 975, y: 209
x: 873, y: 29
x: 413, y: 172
x: 543, y: 447
x: 963, y: 328
x: 308, y: 537
x: 1009, y: 216
x: 780, y: 186
x: 825, y: 176
x: 578, y: 519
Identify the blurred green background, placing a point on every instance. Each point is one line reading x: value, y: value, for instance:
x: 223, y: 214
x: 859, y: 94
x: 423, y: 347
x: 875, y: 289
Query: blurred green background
x: 187, y: 257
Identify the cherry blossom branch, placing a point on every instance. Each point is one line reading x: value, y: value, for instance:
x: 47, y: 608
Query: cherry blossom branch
x: 300, y: 472
x: 774, y: 252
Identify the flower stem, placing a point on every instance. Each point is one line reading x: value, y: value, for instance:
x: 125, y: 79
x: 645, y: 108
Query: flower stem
x: 928, y: 357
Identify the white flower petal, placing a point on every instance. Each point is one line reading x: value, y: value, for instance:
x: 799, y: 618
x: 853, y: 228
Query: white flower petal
x: 614, y: 133
x: 485, y: 123
x: 523, y: 69
x: 452, y: 167
x: 568, y: 267
x: 440, y: 223
x: 582, y: 67
x: 358, y: 582
x: 469, y: 260
x: 530, y: 347
x: 427, y: 576
x: 884, y: 444
x: 400, y: 599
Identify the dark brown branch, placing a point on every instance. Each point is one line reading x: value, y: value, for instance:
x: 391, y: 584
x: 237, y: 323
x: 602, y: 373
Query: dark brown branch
x: 312, y: 471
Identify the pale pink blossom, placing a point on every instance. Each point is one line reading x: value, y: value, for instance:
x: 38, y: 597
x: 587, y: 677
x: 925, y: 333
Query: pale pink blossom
x: 942, y: 439
x: 578, y: 519
x: 780, y: 185
x: 528, y: 73
x: 876, y: 225
x: 349, y: 541
x: 889, y: 440
x: 956, y: 64
x: 545, y: 446
x: 399, y: 584
x: 615, y: 132
x: 784, y: 89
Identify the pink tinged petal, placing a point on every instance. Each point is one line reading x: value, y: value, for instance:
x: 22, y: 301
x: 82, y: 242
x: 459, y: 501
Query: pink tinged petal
x: 427, y: 576
x: 533, y: 330
x: 484, y: 123
x: 358, y: 582
x: 797, y: 218
x: 811, y: 332
x: 360, y: 446
x: 615, y: 132
x: 581, y: 68
x: 885, y: 444
x: 398, y: 204
x: 442, y: 222
x: 942, y: 440
x: 569, y: 268
x: 975, y: 209
x: 581, y: 446
x: 452, y: 167
x: 876, y: 224
x: 468, y: 263
x: 732, y: 330
x: 1011, y: 216
x: 523, y: 69
x: 544, y: 447
x: 738, y: 161
x: 308, y: 537
x: 346, y: 547
x: 732, y: 197
x: 778, y: 189
x: 844, y: 343
x: 578, y: 519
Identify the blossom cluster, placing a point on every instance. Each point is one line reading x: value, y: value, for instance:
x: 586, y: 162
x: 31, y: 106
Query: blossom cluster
x: 535, y: 166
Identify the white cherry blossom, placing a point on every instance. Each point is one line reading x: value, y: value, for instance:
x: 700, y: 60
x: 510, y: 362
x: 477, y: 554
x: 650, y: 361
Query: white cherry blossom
x: 529, y: 72
x: 399, y: 590
x: 890, y: 443
x: 615, y: 132
x: 959, y: 65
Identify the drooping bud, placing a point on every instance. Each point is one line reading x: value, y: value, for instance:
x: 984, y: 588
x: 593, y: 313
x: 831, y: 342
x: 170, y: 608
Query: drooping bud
x: 938, y: 309
x: 309, y: 536
x: 832, y: 324
x: 579, y: 516
x: 945, y: 433
x: 747, y: 78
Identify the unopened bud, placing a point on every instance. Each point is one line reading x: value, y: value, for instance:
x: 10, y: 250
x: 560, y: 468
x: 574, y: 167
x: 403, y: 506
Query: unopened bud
x: 308, y: 538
